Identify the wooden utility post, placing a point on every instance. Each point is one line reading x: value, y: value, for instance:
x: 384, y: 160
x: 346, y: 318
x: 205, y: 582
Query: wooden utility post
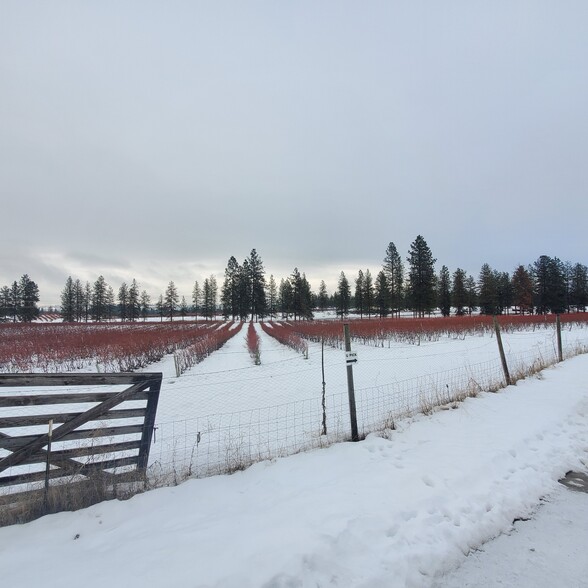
x: 350, y: 359
x: 501, y: 351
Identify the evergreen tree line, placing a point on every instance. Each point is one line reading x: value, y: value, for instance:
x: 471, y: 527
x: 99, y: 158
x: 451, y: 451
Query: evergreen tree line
x: 546, y: 286
x: 18, y: 302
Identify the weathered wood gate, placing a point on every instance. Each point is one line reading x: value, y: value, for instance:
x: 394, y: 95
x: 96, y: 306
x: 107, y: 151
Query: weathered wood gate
x: 73, y: 449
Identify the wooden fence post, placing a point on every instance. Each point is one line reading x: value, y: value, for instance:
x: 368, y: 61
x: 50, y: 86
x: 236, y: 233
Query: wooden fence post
x: 501, y: 351
x: 350, y: 386
x: 559, y: 345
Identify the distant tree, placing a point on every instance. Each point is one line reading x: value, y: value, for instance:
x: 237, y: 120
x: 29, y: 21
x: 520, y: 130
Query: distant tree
x: 209, y: 297
x: 488, y: 291
x: 170, y: 300
x: 4, y: 303
x: 272, y: 297
x: 145, y: 304
x: 110, y: 306
x: 286, y: 298
x: 522, y: 290
x: 160, y: 307
x: 444, y: 291
x: 27, y: 309
x: 343, y: 296
x: 394, y: 271
x: 257, y: 285
x: 134, y: 302
x: 579, y: 287
x: 323, y: 297
x: 472, y: 294
x: 459, y: 297
x: 87, y: 301
x: 15, y: 301
x: 550, y: 286
x: 183, y: 308
x: 68, y: 301
x: 99, y: 299
x: 301, y: 302
x: 123, y: 301
x: 196, y: 296
x: 359, y: 292
x: 368, y: 292
x: 504, y: 292
x: 244, y: 290
x: 382, y: 294
x: 231, y: 289
x: 421, y: 277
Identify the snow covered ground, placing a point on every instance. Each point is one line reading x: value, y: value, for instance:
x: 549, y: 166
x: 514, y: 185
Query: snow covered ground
x: 401, y: 511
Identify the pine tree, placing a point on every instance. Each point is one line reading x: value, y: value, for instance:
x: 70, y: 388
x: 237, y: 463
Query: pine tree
x: 444, y: 291
x: 160, y: 307
x: 209, y: 295
x: 504, y: 292
x: 522, y: 290
x: 110, y: 303
x: 99, y: 299
x: 123, y: 301
x: 68, y: 300
x: 4, y: 303
x: 145, y: 304
x: 579, y: 287
x: 196, y: 297
x: 286, y: 298
x: 550, y: 287
x: 343, y: 296
x: 28, y: 297
x: 472, y: 294
x: 323, y: 296
x: 170, y: 300
x: 421, y: 277
x: 368, y: 292
x: 359, y: 292
x: 459, y: 297
x: 394, y: 271
x: 231, y: 289
x: 272, y: 297
x: 183, y: 308
x: 488, y: 291
x: 382, y: 294
x: 257, y: 281
x: 134, y: 302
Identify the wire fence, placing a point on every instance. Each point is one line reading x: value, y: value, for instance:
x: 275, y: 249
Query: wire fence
x: 278, y: 407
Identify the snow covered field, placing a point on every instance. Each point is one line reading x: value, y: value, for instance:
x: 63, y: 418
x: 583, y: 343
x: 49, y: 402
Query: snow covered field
x: 403, y: 510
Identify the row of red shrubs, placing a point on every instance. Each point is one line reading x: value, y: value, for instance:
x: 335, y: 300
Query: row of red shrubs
x: 413, y: 330
x: 114, y: 347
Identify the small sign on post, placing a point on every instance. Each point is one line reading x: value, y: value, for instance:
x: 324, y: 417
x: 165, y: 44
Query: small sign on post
x: 350, y: 357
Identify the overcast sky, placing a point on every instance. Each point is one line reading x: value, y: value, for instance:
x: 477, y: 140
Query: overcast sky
x: 153, y: 140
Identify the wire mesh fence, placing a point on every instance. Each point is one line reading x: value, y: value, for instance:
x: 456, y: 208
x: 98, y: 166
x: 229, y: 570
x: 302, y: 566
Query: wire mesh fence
x: 277, y: 408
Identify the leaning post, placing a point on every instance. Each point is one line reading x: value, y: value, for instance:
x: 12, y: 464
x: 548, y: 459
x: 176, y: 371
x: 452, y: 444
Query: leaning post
x: 350, y: 359
x: 501, y: 351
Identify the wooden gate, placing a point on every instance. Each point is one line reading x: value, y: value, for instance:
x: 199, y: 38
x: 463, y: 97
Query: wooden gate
x: 108, y: 433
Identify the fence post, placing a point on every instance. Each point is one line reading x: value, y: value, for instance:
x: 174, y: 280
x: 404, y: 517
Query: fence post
x: 350, y: 387
x: 501, y: 350
x: 559, y: 346
x: 324, y: 400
